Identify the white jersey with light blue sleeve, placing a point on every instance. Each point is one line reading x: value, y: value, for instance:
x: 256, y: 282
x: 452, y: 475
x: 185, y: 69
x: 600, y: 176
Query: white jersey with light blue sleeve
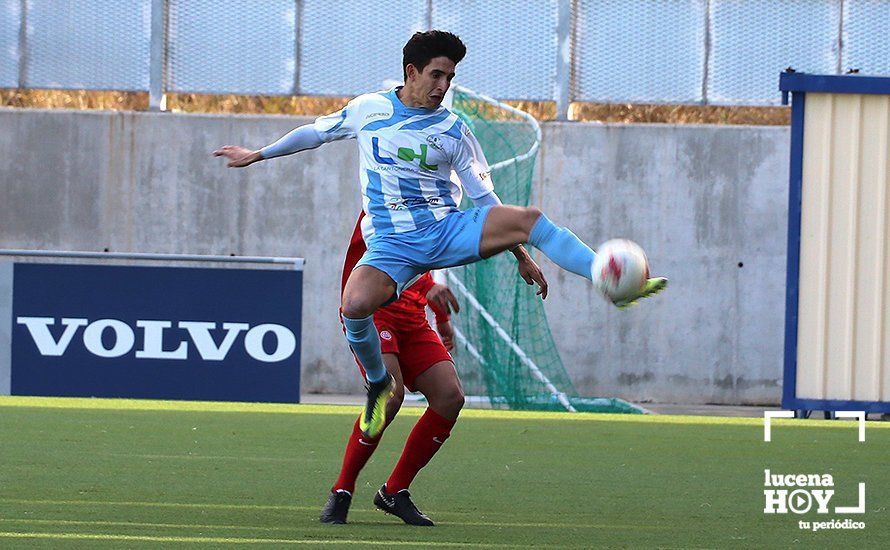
x: 406, y: 158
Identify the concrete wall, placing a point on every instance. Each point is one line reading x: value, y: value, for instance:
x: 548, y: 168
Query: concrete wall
x: 708, y: 203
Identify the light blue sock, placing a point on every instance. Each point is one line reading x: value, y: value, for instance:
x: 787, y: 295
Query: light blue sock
x: 365, y: 343
x: 562, y: 246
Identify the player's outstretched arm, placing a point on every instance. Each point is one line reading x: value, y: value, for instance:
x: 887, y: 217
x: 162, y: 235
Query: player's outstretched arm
x: 239, y: 157
x: 299, y: 139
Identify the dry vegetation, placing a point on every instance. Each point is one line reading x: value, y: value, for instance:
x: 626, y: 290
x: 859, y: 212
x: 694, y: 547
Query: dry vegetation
x: 681, y: 114
x: 301, y: 105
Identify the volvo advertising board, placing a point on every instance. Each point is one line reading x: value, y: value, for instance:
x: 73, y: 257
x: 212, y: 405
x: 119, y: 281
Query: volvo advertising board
x: 215, y: 334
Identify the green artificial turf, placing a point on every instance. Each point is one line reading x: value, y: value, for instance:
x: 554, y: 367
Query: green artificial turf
x: 132, y: 474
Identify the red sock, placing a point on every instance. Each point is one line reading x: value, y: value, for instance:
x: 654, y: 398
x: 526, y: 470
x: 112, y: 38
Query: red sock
x: 358, y: 450
x: 425, y: 440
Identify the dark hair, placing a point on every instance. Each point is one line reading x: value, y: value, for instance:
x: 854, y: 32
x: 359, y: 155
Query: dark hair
x: 424, y: 46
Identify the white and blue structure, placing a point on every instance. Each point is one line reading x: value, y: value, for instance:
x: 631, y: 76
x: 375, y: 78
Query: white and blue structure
x: 837, y: 320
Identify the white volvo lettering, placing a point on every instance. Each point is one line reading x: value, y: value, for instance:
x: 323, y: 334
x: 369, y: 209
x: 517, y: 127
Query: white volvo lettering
x: 120, y: 338
x: 253, y: 343
x: 153, y: 343
x: 123, y: 338
x: 199, y: 332
x: 46, y: 344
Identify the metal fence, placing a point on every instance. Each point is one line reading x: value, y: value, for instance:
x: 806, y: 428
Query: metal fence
x: 725, y: 52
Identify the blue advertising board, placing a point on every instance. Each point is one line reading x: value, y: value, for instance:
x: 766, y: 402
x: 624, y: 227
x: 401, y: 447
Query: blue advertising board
x: 156, y: 332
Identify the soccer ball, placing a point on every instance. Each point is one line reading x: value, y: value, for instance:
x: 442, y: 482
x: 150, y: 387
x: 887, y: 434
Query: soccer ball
x: 620, y: 269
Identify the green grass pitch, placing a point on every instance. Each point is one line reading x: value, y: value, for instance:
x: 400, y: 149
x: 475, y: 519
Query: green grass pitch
x: 80, y: 473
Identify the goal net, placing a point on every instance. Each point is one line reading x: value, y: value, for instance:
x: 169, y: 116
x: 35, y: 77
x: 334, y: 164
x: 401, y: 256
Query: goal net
x: 504, y: 351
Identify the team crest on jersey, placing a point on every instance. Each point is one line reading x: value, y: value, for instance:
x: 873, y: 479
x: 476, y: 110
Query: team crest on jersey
x: 386, y: 335
x: 435, y: 142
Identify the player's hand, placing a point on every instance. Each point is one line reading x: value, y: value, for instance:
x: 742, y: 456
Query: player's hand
x: 442, y: 297
x: 239, y: 157
x: 446, y: 333
x: 532, y: 274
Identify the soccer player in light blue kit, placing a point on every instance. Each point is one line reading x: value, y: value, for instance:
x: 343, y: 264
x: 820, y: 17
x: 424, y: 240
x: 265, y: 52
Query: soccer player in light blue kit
x: 409, y: 144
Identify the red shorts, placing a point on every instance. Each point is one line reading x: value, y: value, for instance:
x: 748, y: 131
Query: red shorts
x: 418, y: 348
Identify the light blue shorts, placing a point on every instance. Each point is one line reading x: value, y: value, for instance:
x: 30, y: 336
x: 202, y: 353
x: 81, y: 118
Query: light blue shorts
x: 454, y: 240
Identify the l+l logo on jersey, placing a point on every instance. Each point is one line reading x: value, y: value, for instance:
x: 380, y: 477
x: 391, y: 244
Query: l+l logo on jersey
x: 406, y: 154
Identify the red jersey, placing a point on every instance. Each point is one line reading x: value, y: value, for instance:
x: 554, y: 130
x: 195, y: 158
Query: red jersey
x: 409, y: 310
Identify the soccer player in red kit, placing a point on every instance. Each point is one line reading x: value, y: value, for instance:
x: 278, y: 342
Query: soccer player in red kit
x: 418, y: 359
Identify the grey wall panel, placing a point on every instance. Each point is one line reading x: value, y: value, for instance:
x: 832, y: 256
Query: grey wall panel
x: 518, y: 60
x: 700, y: 199
x: 866, y: 46
x: 350, y: 48
x: 232, y: 46
x: 10, y: 23
x: 651, y: 52
x: 754, y: 40
x: 92, y: 44
x: 6, y: 268
x: 709, y: 205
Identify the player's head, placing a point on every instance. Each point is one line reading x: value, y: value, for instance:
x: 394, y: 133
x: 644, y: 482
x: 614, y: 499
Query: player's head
x: 428, y: 61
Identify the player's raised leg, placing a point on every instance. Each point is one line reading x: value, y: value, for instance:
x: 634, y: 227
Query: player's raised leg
x: 442, y: 389
x: 359, y: 449
x: 506, y: 226
x: 366, y: 290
